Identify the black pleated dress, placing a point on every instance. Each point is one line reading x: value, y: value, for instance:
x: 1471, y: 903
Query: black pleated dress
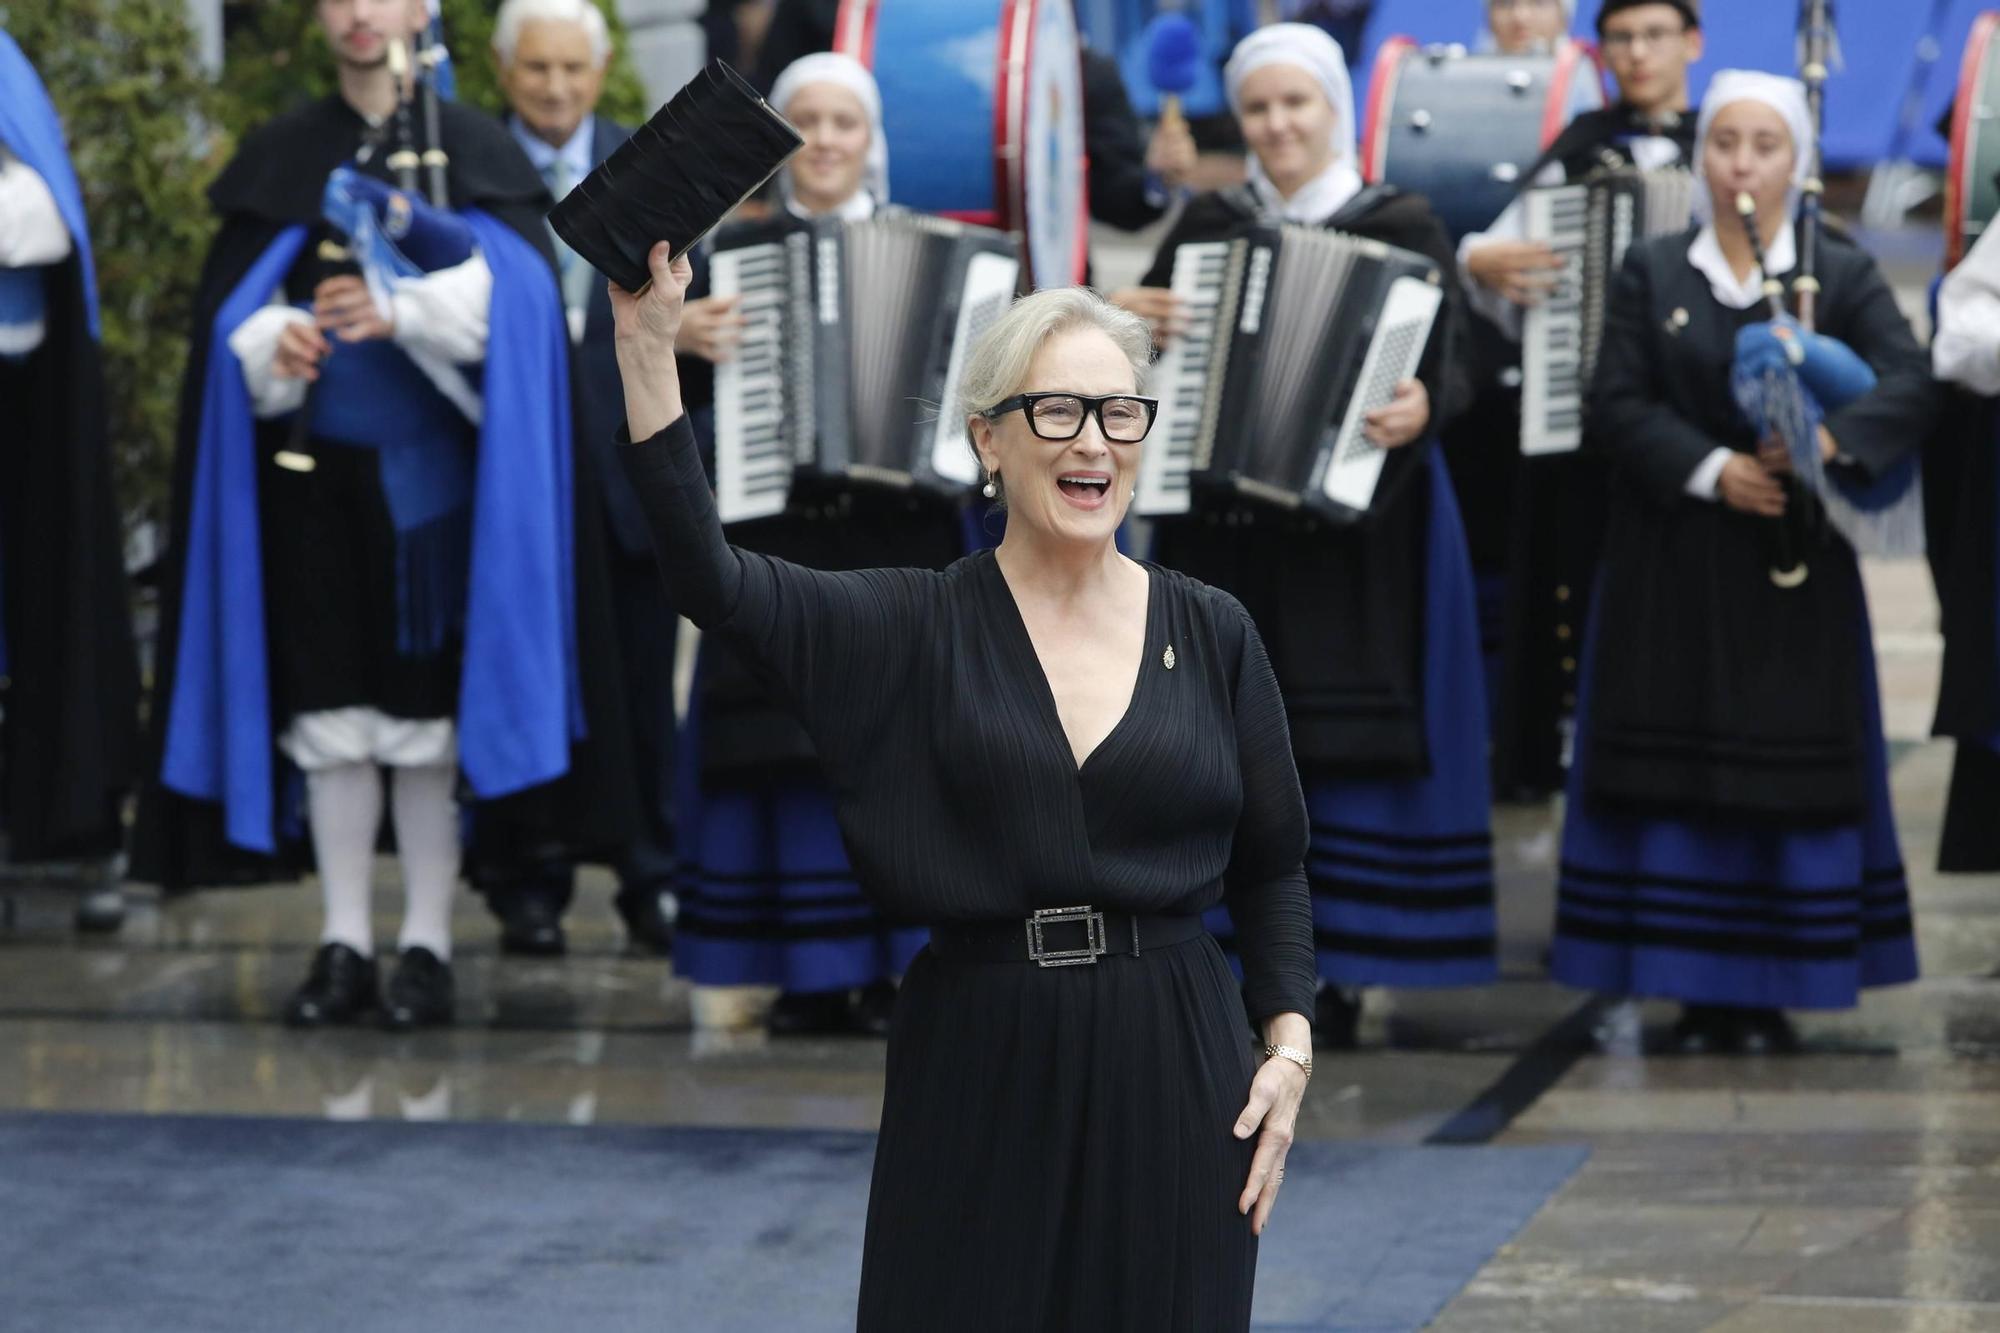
x: 1055, y: 1149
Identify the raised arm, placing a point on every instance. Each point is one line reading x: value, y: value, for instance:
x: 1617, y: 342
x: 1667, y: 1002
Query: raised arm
x: 839, y: 644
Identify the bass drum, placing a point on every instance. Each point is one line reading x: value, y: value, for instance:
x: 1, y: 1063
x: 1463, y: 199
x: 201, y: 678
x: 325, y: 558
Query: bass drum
x: 982, y: 102
x: 1971, y: 195
x: 1463, y: 129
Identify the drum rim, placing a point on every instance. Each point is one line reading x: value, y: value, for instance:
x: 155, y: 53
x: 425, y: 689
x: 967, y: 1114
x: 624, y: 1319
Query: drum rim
x: 1017, y: 21
x: 1977, y: 47
x: 1389, y: 59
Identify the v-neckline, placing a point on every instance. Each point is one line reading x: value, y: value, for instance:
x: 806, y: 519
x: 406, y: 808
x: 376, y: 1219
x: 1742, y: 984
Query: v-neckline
x: 1052, y: 713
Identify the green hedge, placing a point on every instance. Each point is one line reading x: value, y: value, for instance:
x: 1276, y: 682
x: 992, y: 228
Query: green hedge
x: 148, y: 132
x: 276, y: 56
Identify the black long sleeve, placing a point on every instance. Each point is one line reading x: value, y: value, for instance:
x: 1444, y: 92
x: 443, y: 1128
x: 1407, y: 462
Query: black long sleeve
x: 1880, y: 428
x: 1266, y: 881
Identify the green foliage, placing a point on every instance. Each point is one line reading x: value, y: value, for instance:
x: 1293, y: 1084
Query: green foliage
x: 277, y: 59
x: 123, y: 77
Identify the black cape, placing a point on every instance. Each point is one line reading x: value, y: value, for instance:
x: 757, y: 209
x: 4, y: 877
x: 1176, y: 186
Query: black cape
x: 1715, y: 692
x: 276, y: 180
x: 1341, y: 609
x: 69, y: 746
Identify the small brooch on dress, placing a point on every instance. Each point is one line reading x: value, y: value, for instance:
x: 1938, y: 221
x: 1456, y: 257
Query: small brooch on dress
x: 1167, y: 659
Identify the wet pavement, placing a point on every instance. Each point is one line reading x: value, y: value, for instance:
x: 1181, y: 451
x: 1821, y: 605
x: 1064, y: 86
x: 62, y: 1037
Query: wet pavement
x: 1854, y: 1188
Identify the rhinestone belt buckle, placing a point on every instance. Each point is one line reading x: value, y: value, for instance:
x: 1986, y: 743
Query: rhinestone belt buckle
x: 1093, y: 930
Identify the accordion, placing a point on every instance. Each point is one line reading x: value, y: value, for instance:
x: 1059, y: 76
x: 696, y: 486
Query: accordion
x: 1590, y: 226
x: 1295, y: 334
x: 854, y: 338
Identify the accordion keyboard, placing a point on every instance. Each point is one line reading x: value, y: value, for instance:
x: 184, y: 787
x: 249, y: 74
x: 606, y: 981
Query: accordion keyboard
x: 1183, y: 380
x: 753, y: 449
x: 1552, y: 334
x: 1394, y: 355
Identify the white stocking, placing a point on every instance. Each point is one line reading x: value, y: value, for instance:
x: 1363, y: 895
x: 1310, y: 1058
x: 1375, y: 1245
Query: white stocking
x: 426, y: 816
x: 345, y: 806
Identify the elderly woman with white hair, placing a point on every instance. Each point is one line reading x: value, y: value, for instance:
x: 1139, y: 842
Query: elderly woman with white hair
x: 1056, y: 758
x: 1729, y: 842
x: 1373, y: 628
x: 767, y: 897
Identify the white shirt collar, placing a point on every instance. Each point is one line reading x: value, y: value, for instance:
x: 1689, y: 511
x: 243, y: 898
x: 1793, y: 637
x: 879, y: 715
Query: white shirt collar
x: 1706, y: 257
x: 1315, y: 201
x: 575, y: 154
x: 860, y: 206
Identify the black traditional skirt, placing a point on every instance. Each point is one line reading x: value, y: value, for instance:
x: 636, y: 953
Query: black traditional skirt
x: 1056, y: 1149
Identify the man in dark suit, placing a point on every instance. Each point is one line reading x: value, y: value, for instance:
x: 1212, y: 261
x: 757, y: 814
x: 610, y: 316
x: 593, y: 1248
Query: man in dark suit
x: 552, y: 56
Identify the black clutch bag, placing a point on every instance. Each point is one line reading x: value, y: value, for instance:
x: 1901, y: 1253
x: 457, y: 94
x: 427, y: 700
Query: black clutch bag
x: 701, y: 155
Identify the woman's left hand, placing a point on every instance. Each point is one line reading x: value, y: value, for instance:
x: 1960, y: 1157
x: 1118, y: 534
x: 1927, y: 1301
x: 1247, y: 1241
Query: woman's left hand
x: 1402, y: 419
x: 1275, y: 1095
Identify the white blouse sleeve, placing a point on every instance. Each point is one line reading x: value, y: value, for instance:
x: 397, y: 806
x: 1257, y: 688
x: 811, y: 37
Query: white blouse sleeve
x: 1966, y: 347
x: 32, y: 231
x: 442, y: 316
x: 255, y: 343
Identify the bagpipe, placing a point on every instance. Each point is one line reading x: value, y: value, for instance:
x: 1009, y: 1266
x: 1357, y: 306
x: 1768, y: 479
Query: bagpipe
x: 393, y: 232
x: 1787, y: 377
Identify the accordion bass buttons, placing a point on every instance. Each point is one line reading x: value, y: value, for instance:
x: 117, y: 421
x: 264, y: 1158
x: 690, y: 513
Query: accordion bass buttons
x: 1420, y: 120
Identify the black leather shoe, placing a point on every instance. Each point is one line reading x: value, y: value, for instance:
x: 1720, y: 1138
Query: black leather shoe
x: 875, y: 1008
x: 1704, y: 1029
x: 646, y: 925
x: 341, y: 988
x: 421, y: 992
x: 531, y: 928
x: 1337, y: 1018
x: 1766, y: 1032
x: 820, y: 1013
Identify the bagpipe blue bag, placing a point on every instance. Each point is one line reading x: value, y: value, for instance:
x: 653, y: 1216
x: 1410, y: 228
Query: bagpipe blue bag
x: 1786, y: 380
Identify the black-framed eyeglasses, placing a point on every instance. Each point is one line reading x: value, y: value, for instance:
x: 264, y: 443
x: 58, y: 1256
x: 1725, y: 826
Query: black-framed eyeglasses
x: 1122, y: 417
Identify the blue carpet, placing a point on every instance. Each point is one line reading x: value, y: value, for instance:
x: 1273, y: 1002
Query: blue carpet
x: 113, y: 1223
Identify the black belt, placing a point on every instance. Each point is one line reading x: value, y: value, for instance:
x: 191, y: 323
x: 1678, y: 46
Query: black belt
x: 1063, y: 936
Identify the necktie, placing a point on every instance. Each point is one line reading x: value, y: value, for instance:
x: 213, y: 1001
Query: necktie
x: 575, y: 272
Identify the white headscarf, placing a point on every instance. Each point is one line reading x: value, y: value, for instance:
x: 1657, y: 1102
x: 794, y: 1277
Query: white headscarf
x: 1785, y: 96
x: 1305, y: 47
x: 1487, y: 44
x: 849, y: 73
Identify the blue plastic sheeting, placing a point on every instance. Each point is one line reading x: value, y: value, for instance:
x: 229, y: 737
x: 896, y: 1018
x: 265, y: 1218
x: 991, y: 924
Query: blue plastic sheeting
x: 1880, y: 39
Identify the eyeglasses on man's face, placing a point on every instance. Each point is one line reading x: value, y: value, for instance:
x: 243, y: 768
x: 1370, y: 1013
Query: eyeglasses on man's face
x: 1122, y: 417
x: 1626, y: 41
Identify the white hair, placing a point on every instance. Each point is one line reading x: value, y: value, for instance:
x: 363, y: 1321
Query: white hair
x: 514, y: 13
x: 997, y: 366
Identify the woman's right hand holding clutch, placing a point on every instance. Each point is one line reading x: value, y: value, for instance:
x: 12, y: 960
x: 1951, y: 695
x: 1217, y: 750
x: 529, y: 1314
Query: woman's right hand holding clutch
x: 645, y: 329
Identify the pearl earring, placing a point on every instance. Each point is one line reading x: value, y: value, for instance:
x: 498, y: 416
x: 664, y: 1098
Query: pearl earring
x: 989, y: 490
